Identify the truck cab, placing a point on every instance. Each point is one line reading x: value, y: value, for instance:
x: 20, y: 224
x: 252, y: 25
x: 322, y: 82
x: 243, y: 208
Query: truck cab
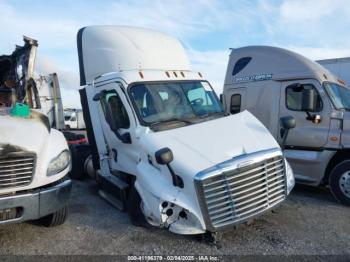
x: 163, y: 147
x: 273, y: 83
x: 34, y: 157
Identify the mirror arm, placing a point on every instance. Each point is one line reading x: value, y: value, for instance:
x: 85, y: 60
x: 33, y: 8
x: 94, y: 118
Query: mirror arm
x: 309, y: 116
x: 285, y: 134
x: 177, y: 181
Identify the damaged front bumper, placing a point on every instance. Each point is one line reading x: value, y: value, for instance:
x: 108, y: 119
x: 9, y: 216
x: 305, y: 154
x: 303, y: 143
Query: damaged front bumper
x: 33, y: 205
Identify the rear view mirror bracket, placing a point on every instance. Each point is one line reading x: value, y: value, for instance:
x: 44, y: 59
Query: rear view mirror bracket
x: 287, y: 123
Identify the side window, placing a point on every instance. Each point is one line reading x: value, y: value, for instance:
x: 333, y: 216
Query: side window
x: 294, y: 97
x: 235, y: 103
x: 114, y: 111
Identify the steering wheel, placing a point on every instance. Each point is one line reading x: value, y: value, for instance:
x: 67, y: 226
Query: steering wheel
x: 197, y: 102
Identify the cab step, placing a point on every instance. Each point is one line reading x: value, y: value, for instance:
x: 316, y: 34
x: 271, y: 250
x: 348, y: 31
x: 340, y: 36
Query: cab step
x: 114, y: 190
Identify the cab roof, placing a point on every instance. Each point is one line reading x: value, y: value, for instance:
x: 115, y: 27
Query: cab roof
x: 105, y: 49
x: 257, y: 63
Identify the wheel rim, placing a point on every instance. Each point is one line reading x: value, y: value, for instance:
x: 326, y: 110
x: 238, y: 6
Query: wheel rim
x: 344, y: 183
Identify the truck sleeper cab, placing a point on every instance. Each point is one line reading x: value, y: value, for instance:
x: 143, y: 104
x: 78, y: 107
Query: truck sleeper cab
x: 163, y: 148
x: 34, y: 158
x: 272, y: 83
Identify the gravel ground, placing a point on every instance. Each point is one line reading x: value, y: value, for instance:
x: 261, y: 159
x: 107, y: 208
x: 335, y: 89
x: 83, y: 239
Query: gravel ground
x: 309, y: 222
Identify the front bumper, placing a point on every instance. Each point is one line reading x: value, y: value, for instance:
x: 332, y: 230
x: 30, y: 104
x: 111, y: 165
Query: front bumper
x: 34, y: 205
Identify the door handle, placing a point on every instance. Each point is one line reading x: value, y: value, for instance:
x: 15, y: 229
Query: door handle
x: 115, y: 154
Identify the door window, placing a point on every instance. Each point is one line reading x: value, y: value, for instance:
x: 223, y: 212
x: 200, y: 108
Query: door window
x: 294, y: 97
x: 114, y: 111
x: 235, y: 104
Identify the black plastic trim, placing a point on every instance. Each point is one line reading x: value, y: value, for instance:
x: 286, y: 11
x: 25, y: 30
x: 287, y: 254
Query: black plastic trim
x: 89, y: 129
x: 80, y: 56
x: 305, y: 148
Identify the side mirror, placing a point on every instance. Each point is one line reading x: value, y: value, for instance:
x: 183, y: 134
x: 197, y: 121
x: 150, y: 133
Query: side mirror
x: 164, y: 156
x: 309, y: 100
x: 287, y: 123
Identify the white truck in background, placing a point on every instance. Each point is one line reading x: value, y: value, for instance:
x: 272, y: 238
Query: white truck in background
x: 339, y: 67
x: 73, y: 119
x: 34, y: 157
x: 273, y: 83
x: 162, y: 146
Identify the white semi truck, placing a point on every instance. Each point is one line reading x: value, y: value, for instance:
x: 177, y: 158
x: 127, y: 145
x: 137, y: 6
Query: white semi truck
x: 74, y: 119
x: 339, y: 67
x: 34, y: 157
x: 273, y: 83
x: 163, y: 148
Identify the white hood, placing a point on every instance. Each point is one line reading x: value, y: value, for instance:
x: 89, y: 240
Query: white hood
x: 200, y: 146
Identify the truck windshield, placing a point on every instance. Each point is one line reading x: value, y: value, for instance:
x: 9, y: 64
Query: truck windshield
x: 339, y: 95
x: 185, y: 102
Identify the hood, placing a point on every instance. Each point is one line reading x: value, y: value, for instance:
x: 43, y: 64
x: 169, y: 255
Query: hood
x: 203, y: 145
x: 29, y: 134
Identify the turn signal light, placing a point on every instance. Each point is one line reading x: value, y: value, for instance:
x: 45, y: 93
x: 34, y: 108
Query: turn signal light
x: 333, y: 138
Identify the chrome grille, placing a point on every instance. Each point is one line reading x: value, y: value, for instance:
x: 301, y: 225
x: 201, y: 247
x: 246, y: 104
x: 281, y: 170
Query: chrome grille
x: 16, y: 170
x: 233, y: 195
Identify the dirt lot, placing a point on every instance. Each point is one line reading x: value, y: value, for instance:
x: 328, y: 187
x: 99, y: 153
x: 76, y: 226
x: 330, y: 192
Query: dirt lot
x: 309, y: 222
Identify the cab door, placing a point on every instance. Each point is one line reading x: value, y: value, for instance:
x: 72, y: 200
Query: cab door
x: 308, y: 134
x: 118, y: 127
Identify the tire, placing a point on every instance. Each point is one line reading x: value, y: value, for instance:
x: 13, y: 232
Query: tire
x: 79, y: 155
x: 54, y: 219
x: 133, y: 206
x: 339, y: 182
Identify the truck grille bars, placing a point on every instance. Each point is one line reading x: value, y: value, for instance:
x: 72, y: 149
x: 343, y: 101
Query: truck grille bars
x: 16, y: 170
x: 241, y: 188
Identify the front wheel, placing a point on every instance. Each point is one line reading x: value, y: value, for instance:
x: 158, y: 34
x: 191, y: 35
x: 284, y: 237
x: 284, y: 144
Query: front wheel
x: 55, y: 219
x: 134, y: 209
x: 339, y: 182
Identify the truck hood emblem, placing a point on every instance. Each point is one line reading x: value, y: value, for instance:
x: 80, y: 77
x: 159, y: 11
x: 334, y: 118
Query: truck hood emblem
x: 245, y: 163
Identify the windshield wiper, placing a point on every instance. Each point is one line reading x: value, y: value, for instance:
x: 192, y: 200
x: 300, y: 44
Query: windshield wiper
x: 171, y: 120
x: 211, y: 114
x: 344, y: 108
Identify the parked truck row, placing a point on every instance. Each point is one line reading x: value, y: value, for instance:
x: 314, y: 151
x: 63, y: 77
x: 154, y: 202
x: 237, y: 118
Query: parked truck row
x: 165, y: 149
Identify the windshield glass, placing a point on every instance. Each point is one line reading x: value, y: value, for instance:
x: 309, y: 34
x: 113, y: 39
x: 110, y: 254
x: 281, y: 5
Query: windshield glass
x: 339, y: 95
x: 178, y: 101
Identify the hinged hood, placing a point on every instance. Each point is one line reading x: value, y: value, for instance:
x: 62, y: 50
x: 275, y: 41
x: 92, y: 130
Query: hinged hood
x: 204, y: 145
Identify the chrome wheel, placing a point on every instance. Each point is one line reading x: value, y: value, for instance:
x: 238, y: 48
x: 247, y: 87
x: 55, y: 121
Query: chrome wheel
x: 344, y: 183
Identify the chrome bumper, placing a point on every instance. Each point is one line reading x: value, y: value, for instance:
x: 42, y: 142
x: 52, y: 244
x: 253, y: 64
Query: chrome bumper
x: 37, y: 204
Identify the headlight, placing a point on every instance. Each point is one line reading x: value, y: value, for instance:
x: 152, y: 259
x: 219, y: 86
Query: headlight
x: 289, y: 176
x: 59, y: 163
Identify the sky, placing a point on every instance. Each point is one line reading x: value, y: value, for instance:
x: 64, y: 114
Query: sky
x: 207, y: 28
